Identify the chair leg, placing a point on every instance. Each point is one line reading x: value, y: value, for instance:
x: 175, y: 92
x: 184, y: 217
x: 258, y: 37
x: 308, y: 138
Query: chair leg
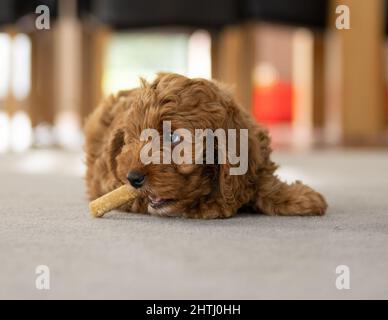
x: 358, y: 108
x: 233, y: 53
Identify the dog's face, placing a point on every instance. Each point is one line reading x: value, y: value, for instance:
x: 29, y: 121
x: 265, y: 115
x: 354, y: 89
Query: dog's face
x: 168, y: 189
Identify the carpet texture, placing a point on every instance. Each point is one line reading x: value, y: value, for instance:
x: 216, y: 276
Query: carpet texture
x: 44, y: 220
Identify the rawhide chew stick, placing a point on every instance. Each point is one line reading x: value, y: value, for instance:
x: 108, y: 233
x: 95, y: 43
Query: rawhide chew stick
x: 112, y: 200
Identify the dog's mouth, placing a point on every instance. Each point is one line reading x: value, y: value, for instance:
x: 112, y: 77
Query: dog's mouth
x: 158, y: 202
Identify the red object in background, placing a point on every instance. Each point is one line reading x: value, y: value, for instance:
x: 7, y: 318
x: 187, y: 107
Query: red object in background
x: 273, y: 103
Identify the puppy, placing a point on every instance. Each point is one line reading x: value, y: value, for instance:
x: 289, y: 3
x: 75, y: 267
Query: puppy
x: 113, y: 155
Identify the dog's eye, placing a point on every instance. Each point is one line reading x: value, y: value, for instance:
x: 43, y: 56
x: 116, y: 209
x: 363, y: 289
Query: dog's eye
x: 175, y: 138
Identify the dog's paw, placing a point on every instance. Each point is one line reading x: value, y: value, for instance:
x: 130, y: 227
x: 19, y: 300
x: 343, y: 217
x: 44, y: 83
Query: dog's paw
x: 210, y: 211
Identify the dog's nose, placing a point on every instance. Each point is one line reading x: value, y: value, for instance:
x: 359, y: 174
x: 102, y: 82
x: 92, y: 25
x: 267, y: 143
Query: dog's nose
x: 136, y: 179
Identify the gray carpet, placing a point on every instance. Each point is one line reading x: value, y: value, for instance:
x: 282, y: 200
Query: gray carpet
x: 44, y: 220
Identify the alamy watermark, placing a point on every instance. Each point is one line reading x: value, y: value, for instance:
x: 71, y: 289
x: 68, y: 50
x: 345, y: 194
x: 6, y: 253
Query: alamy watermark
x: 42, y: 281
x: 342, y: 281
x: 180, y: 147
x: 342, y: 21
x: 42, y: 22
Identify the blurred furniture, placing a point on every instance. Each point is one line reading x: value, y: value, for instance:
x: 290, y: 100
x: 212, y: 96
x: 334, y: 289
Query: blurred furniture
x: 304, y: 13
x: 153, y: 13
x: 237, y: 50
x: 130, y: 15
x: 355, y: 113
x: 16, y: 16
x: 337, y: 78
x: 8, y: 11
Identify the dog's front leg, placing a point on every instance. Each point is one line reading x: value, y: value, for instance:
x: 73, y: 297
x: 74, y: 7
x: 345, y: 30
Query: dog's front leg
x: 210, y: 210
x: 275, y: 197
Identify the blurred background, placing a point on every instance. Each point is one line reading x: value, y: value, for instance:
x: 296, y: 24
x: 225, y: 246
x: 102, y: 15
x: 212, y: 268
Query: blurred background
x: 321, y: 91
x: 312, y: 84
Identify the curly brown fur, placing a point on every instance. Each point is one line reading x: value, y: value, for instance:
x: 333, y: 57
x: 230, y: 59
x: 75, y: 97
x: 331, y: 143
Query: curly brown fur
x: 198, y: 191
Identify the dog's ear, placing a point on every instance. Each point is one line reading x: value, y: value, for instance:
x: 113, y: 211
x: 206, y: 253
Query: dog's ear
x: 237, y: 180
x: 231, y: 186
x: 115, y: 145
